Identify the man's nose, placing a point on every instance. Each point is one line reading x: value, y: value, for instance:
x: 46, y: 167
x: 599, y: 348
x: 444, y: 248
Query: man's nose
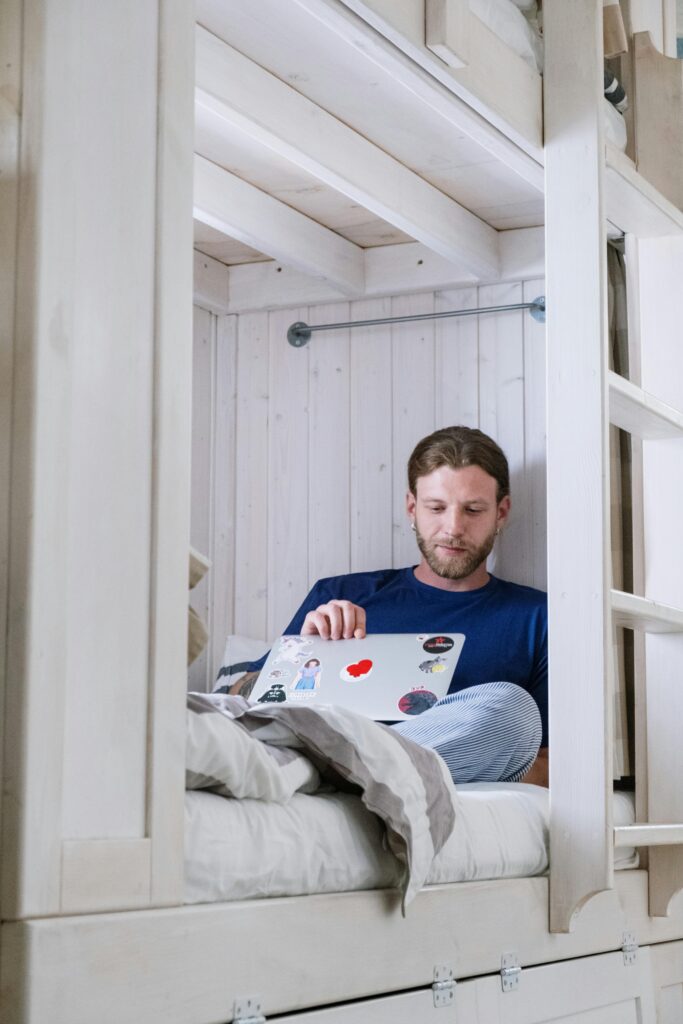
x: 455, y: 522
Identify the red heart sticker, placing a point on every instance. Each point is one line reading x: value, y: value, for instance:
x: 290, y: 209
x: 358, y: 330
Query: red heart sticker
x: 358, y: 670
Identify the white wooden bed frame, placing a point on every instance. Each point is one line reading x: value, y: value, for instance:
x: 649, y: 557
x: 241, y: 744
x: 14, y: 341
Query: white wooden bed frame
x: 97, y: 291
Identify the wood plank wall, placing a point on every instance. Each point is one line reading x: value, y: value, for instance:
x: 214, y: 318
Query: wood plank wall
x: 299, y: 455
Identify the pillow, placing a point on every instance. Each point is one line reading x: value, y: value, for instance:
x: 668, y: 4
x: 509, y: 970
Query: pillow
x: 239, y: 652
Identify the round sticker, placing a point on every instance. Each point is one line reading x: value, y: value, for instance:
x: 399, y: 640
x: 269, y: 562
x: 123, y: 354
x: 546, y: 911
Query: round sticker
x: 357, y: 670
x: 417, y: 701
x: 437, y: 644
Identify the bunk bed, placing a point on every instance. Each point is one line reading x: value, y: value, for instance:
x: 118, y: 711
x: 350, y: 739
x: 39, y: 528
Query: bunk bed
x: 98, y: 921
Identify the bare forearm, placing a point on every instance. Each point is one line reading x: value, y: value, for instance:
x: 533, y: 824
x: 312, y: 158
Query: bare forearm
x: 538, y: 773
x: 245, y: 684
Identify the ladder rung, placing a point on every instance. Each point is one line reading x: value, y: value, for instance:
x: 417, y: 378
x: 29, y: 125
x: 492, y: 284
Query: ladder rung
x: 641, y: 414
x: 648, y: 835
x: 641, y: 613
x: 633, y: 204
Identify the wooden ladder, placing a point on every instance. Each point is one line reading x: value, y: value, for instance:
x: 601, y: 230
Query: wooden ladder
x: 591, y: 188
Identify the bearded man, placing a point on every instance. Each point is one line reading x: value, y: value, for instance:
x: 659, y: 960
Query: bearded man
x: 493, y: 720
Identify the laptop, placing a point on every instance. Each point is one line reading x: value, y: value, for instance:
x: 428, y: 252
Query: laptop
x: 390, y: 677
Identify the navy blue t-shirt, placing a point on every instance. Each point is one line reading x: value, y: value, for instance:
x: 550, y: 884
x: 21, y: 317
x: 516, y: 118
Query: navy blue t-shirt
x: 505, y: 624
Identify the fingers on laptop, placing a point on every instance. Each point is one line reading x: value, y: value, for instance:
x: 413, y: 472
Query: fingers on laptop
x: 335, y: 620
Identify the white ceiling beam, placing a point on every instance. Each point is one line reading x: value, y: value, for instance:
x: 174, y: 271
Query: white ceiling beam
x: 389, y: 270
x: 241, y: 211
x: 255, y: 102
x: 433, y: 83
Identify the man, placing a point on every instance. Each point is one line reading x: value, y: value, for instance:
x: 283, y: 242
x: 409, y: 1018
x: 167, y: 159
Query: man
x: 494, y: 718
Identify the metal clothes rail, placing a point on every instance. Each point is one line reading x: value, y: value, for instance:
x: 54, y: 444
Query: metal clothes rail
x: 299, y: 334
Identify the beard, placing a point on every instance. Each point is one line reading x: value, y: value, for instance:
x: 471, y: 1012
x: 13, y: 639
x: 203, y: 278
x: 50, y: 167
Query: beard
x: 455, y: 567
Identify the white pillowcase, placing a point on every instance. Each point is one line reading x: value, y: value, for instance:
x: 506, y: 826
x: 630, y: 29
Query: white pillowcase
x: 238, y: 650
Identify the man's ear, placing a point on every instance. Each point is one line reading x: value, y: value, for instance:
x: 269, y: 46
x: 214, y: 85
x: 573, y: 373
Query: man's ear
x: 504, y: 506
x: 411, y: 502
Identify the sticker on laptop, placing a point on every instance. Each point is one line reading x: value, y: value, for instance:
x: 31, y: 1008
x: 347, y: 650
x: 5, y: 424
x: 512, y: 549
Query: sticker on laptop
x: 437, y: 664
x: 437, y: 644
x: 356, y: 670
x: 416, y: 701
x: 293, y: 649
x: 275, y: 695
x: 307, y: 680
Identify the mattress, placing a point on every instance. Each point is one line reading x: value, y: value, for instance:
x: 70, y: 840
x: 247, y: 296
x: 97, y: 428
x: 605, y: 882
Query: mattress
x: 243, y: 849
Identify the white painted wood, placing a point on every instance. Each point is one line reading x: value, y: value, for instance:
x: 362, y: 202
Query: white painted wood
x: 329, y: 526
x: 238, y: 209
x: 210, y: 284
x: 169, y: 965
x: 642, y: 414
x: 413, y: 408
x: 240, y: 93
x: 633, y: 204
x: 667, y: 970
x: 501, y: 384
x: 491, y: 64
x: 456, y: 371
x: 345, y: 60
x: 251, y: 477
x: 204, y: 455
x: 288, y: 476
x: 389, y: 270
x: 447, y: 25
x: 642, y: 613
x: 103, y: 874
x: 101, y: 447
x: 591, y: 990
x: 10, y: 124
x: 648, y: 835
x: 536, y: 574
x: 661, y: 308
x: 222, y: 612
x: 578, y: 570
x: 371, y: 459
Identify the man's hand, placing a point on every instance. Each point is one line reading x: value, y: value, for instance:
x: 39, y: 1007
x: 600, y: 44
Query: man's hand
x: 335, y: 620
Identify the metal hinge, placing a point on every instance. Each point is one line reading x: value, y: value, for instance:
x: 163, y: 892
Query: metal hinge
x: 247, y: 1010
x: 510, y: 971
x: 444, y: 986
x: 629, y: 948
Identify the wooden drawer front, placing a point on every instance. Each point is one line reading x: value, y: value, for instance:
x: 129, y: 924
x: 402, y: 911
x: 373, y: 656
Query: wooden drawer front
x: 590, y: 990
x: 667, y: 971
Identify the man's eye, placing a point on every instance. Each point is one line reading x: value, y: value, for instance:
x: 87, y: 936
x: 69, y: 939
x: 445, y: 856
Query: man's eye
x: 474, y: 511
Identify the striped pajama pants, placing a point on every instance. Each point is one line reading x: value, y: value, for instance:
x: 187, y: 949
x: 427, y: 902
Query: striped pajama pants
x: 486, y: 733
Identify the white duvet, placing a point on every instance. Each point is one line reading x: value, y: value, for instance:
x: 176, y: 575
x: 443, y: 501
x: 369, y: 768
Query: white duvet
x: 241, y: 849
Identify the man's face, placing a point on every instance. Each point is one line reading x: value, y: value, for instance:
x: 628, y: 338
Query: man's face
x: 456, y: 516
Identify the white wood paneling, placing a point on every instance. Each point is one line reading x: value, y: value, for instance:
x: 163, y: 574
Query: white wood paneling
x: 501, y: 383
x: 323, y: 434
x: 100, y: 459
x: 288, y: 472
x: 371, y: 467
x: 10, y: 91
x: 329, y: 546
x: 251, y: 478
x: 413, y: 412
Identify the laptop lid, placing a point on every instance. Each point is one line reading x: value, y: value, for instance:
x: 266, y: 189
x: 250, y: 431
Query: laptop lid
x: 385, y: 676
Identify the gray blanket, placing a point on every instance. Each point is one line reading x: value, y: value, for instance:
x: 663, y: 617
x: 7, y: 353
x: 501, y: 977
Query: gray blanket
x: 269, y: 752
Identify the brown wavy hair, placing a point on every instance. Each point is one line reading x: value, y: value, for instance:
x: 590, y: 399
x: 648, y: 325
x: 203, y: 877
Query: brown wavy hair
x: 458, y: 447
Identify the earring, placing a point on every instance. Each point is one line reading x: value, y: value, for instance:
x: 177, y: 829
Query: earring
x: 413, y: 527
x: 498, y: 532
